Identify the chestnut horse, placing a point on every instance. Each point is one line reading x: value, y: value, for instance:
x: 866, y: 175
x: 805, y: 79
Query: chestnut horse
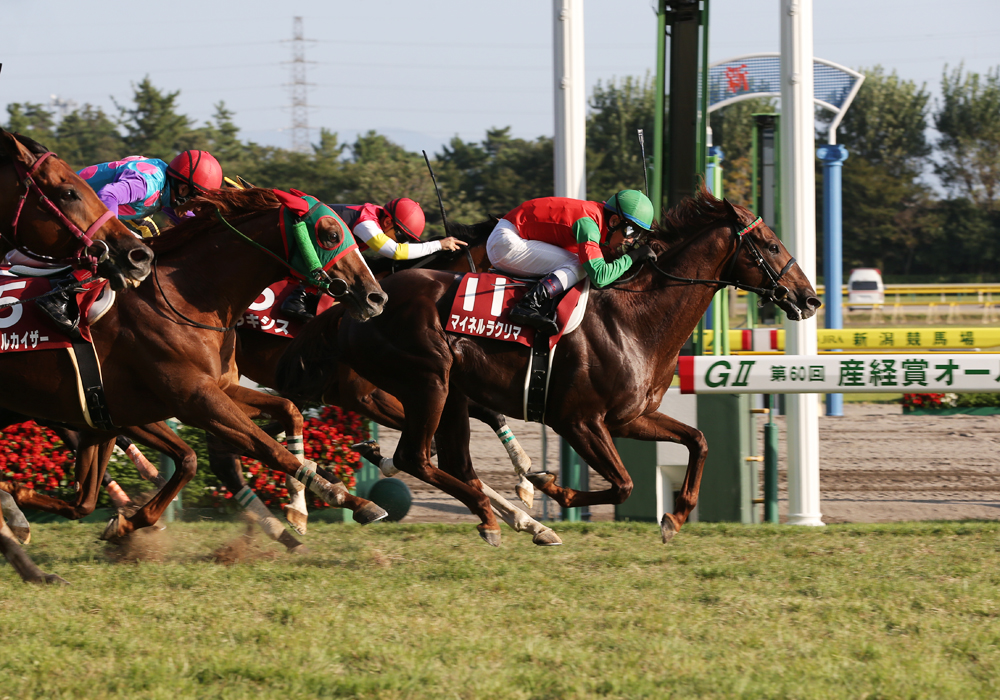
x: 167, y: 350
x: 607, y: 377
x: 50, y: 214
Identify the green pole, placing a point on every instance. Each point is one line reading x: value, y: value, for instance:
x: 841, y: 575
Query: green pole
x: 656, y: 188
x: 168, y: 468
x: 770, y: 463
x: 368, y: 473
x: 571, y: 471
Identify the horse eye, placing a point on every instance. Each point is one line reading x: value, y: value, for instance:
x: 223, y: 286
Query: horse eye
x: 70, y: 195
x: 774, y: 249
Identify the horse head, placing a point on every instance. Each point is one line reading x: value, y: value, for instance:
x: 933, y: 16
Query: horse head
x: 352, y: 282
x: 762, y: 261
x: 57, y: 218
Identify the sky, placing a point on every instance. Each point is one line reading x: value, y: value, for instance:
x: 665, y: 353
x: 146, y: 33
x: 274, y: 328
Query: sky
x: 424, y: 72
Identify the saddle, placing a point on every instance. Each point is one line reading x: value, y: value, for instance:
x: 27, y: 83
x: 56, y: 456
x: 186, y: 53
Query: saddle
x: 265, y: 313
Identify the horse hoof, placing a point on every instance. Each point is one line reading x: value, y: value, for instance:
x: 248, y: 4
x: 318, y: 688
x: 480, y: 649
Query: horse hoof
x: 369, y: 513
x: 298, y: 549
x: 547, y: 538
x: 54, y: 578
x: 369, y: 450
x: 668, y: 527
x: 297, y: 519
x: 540, y: 479
x: 490, y: 535
x: 23, y: 534
x: 525, y: 492
x: 113, y: 530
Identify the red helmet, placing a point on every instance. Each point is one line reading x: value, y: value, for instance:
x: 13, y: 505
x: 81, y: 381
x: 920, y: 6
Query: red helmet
x: 197, y: 169
x: 407, y: 216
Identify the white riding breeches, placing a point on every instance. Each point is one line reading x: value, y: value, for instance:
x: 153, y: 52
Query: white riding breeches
x: 511, y: 253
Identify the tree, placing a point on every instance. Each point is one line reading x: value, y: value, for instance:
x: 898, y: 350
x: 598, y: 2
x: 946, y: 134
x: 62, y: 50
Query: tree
x: 618, y: 110
x: 153, y: 126
x: 32, y: 120
x: 87, y: 136
x: 969, y: 122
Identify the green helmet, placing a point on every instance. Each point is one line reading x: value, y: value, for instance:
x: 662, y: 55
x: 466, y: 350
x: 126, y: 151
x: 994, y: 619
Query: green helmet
x: 634, y: 206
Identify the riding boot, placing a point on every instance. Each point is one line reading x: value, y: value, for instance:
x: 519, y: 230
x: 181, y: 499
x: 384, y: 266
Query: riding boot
x: 61, y: 306
x: 295, y: 304
x: 535, y: 309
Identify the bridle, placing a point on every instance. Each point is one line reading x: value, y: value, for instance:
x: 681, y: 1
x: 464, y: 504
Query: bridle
x: 776, y: 292
x: 82, y: 257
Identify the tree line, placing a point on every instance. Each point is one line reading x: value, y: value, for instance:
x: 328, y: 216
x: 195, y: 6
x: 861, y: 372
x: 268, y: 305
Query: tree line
x: 896, y: 216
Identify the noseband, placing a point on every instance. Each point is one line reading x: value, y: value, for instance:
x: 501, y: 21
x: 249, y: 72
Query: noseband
x: 82, y: 257
x: 775, y: 292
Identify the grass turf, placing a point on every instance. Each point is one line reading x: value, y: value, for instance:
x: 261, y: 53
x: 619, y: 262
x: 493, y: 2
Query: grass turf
x: 425, y: 611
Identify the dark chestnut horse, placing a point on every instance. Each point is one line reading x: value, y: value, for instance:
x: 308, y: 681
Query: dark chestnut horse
x: 607, y: 379
x: 50, y: 214
x: 167, y: 350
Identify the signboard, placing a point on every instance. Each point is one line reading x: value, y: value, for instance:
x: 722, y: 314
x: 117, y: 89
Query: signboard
x: 895, y: 338
x: 840, y: 374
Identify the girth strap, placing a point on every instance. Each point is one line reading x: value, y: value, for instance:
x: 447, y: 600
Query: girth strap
x: 94, y: 399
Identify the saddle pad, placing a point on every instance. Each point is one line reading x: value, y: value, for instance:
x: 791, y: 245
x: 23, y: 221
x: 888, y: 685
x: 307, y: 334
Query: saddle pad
x: 265, y: 313
x: 483, y: 303
x: 24, y: 327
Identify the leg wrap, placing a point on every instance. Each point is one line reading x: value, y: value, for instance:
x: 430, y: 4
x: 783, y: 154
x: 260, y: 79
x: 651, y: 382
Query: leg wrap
x: 385, y: 466
x: 332, y: 493
x: 296, y: 446
x: 259, y: 514
x: 117, y: 495
x: 145, y: 468
x: 518, y: 457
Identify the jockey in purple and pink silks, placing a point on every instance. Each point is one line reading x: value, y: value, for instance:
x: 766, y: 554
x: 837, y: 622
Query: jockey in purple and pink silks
x: 134, y: 188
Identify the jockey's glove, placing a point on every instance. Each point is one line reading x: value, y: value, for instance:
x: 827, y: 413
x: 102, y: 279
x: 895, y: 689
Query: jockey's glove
x: 641, y: 254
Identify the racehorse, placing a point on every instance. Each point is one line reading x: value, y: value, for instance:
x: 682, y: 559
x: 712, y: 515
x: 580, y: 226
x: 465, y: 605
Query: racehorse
x: 50, y: 214
x: 167, y: 349
x: 607, y: 377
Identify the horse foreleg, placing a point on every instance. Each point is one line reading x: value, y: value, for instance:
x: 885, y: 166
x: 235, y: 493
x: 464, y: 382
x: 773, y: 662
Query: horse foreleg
x: 518, y: 457
x: 285, y: 412
x: 161, y: 438
x: 13, y: 553
x: 18, y: 524
x: 226, y: 466
x: 518, y: 520
x: 209, y: 408
x: 657, y: 426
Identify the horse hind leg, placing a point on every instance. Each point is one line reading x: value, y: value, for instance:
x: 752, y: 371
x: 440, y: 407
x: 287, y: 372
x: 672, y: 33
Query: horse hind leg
x: 518, y: 457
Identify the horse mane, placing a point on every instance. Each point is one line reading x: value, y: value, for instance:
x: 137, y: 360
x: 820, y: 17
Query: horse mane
x: 695, y: 212
x: 231, y: 202
x: 473, y: 234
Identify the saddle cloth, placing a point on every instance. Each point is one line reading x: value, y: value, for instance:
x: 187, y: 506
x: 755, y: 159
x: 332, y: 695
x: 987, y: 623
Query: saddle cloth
x: 265, y: 313
x: 483, y: 303
x: 24, y: 327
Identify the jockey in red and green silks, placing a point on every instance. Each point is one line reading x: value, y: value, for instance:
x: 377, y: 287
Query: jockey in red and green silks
x: 561, y: 239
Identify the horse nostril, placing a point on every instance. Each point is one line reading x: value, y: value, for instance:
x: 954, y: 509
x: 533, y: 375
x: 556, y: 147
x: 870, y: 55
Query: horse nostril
x: 140, y: 256
x: 378, y: 298
x: 813, y: 303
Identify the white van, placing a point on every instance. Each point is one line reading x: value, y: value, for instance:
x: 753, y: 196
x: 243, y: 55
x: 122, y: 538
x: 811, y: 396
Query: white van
x: 865, y: 288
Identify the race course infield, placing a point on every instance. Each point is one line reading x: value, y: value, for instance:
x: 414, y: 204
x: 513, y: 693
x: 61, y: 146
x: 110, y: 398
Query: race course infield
x: 430, y: 611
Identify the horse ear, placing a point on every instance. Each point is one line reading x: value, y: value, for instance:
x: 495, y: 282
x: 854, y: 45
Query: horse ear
x: 730, y: 209
x: 13, y: 148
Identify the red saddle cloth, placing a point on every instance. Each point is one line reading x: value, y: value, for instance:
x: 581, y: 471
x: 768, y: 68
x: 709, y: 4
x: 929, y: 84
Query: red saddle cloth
x: 265, y: 313
x: 482, y: 308
x: 24, y: 327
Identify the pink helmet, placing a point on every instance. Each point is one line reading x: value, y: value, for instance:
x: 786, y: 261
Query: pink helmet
x: 407, y: 216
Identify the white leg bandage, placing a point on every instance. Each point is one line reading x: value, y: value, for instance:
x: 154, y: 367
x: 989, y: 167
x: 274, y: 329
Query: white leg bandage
x: 259, y: 514
x: 518, y: 457
x: 332, y: 493
x: 385, y: 466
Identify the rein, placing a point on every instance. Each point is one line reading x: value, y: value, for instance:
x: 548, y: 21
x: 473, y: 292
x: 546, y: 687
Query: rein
x: 774, y: 293
x: 85, y: 237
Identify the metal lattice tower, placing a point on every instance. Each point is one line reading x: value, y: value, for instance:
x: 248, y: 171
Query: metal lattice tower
x: 300, y: 108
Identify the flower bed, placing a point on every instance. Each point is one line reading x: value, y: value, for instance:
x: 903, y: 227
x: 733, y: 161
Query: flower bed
x: 951, y: 404
x: 34, y: 456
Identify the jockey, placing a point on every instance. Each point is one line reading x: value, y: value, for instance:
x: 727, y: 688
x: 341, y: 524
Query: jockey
x: 381, y: 229
x: 135, y: 188
x: 561, y: 239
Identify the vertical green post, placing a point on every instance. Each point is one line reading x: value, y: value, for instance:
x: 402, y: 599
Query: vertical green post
x: 770, y: 463
x: 573, y: 474
x: 656, y: 188
x: 368, y: 473
x: 167, y: 466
